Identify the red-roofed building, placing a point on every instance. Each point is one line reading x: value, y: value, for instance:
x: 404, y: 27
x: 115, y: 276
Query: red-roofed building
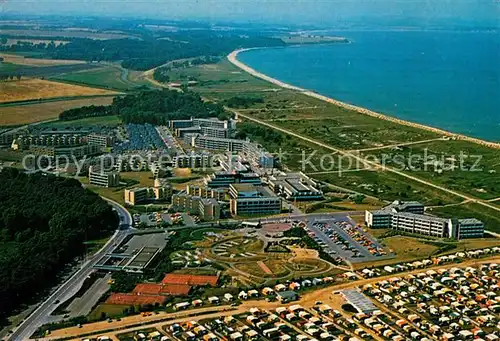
x: 190, y: 279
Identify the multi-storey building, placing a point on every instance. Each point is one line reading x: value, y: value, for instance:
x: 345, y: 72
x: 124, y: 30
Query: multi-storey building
x: 68, y: 151
x: 103, y: 178
x: 193, y: 161
x: 409, y: 217
x: 421, y: 224
x: 224, y: 179
x: 207, y: 193
x: 214, y: 143
x: 206, y: 209
x: 161, y: 191
x: 249, y: 200
x: 101, y: 140
x: 136, y: 196
x: 469, y: 228
x: 295, y: 186
x: 205, y: 126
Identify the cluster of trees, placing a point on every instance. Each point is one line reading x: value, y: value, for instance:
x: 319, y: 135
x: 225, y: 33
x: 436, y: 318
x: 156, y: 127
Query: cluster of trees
x: 156, y: 107
x: 258, y: 133
x: 242, y: 102
x: 4, y: 77
x: 148, y: 51
x: 44, y: 221
x: 161, y: 74
x: 83, y: 112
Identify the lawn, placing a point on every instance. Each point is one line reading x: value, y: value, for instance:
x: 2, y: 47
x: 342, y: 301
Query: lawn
x: 30, y: 113
x: 35, y: 89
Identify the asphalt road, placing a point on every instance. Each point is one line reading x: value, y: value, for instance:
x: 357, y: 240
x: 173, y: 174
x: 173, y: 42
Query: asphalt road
x: 42, y: 315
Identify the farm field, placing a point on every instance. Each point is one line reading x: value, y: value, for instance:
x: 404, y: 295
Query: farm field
x: 31, y: 113
x: 67, y: 33
x: 30, y: 89
x: 21, y: 60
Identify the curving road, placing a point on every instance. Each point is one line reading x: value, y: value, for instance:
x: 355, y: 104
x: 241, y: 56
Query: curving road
x: 42, y: 315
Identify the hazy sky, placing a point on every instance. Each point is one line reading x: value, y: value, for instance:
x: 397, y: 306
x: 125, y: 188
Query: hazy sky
x: 330, y: 12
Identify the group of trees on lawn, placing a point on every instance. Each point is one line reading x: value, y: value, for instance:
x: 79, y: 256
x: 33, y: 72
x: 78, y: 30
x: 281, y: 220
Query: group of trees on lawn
x: 156, y: 107
x: 148, y: 51
x: 44, y: 221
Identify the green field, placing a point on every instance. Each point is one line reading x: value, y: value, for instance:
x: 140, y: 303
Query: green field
x: 109, y: 121
x: 108, y: 77
x: 9, y: 67
x: 220, y: 78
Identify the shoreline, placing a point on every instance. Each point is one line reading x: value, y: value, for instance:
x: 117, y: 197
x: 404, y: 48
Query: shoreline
x: 233, y: 59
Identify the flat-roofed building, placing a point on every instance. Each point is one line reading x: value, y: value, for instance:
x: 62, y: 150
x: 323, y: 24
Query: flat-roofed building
x: 206, y: 209
x: 224, y: 179
x: 295, y: 186
x: 258, y: 155
x: 247, y: 199
x: 181, y: 132
x: 470, y: 228
x: 103, y: 178
x: 136, y: 196
x: 421, y: 224
x: 378, y: 219
x: 193, y: 161
x: 409, y: 217
x: 215, y: 143
x: 68, y: 151
x: 101, y: 140
x: 209, y: 209
x: 215, y: 132
x: 204, y: 192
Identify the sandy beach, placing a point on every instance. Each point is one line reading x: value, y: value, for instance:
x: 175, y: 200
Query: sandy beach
x: 233, y: 58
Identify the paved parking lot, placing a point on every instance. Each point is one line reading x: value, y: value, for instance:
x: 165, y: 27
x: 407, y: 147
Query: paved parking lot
x: 338, y: 234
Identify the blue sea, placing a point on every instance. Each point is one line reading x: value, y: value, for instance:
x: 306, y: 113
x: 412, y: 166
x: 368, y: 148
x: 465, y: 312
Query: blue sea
x: 449, y: 80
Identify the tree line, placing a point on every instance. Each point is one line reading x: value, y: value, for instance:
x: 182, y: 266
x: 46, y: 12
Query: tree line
x: 155, y: 107
x: 44, y: 221
x: 4, y: 77
x: 149, y: 51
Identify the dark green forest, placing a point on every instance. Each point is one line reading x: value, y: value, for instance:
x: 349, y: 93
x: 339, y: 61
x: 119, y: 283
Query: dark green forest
x: 44, y: 221
x: 156, y: 107
x: 148, y: 50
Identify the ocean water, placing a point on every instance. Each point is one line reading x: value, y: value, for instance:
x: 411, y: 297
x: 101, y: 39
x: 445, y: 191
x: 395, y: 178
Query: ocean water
x: 449, y: 80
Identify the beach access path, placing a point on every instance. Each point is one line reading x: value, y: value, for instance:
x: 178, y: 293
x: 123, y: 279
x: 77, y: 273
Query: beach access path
x: 354, y: 155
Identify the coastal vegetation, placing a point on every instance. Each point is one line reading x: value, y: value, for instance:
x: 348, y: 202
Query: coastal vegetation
x: 43, y: 229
